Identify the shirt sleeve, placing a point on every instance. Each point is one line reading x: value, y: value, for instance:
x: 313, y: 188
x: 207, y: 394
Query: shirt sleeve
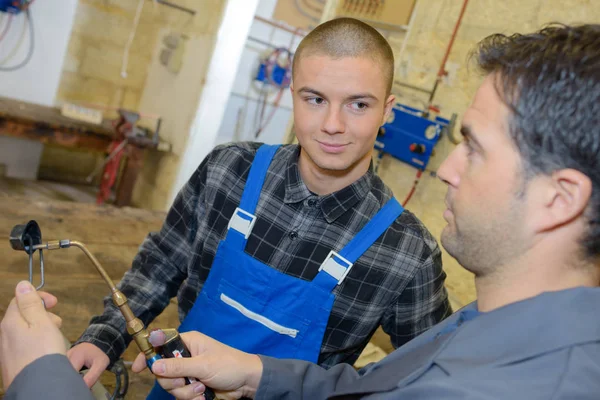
x: 296, y: 379
x: 50, y: 377
x: 157, y: 272
x: 421, y: 305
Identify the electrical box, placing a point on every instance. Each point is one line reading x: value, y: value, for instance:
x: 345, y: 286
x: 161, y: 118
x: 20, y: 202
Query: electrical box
x: 281, y: 76
x: 410, y: 136
x: 276, y: 68
x: 12, y: 6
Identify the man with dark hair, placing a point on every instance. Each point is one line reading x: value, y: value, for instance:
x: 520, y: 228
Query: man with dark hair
x: 296, y: 251
x: 523, y: 216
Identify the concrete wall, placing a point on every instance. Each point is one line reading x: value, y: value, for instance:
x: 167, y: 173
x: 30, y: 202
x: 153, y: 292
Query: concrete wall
x: 175, y: 96
x: 92, y: 74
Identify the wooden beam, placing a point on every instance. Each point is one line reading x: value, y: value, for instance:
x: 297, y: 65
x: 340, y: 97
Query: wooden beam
x: 61, y: 136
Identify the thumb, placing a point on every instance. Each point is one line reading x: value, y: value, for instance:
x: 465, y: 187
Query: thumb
x: 31, y: 305
x: 176, y: 367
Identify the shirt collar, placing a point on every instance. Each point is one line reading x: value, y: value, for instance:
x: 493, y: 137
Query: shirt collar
x: 526, y: 328
x: 295, y: 189
x: 332, y: 205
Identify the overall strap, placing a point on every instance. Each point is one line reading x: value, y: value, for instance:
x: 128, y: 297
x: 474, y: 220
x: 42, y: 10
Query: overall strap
x: 371, y: 232
x: 256, y: 177
x: 243, y: 218
x: 337, y: 265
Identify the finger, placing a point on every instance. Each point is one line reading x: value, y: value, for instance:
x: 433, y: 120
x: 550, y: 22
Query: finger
x: 157, y: 338
x: 93, y: 374
x: 197, y: 343
x: 30, y: 304
x: 170, y: 384
x: 189, y: 392
x: 76, y: 358
x: 49, y: 300
x: 56, y: 320
x: 176, y: 367
x: 139, y: 364
x: 195, y: 340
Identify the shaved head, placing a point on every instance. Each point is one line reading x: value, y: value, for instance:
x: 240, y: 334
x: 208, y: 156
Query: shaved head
x: 348, y: 37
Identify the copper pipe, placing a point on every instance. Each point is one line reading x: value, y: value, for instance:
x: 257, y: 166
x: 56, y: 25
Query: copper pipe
x: 96, y: 263
x: 135, y: 327
x: 442, y: 70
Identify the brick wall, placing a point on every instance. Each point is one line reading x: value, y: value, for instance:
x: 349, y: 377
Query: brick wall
x: 432, y: 28
x: 92, y: 67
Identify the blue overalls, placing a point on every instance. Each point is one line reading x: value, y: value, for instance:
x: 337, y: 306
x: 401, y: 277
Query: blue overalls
x: 258, y: 309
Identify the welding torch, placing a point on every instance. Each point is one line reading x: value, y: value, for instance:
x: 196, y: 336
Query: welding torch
x: 29, y: 238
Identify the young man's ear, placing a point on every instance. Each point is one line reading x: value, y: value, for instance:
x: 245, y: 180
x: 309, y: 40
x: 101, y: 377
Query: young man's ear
x: 565, y: 197
x: 389, y: 104
x: 292, y: 87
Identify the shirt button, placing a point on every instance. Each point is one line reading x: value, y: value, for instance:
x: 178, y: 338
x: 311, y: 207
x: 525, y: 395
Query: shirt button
x: 312, y: 202
x: 293, y: 235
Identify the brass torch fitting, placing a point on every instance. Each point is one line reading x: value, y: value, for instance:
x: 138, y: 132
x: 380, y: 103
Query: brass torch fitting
x: 135, y: 327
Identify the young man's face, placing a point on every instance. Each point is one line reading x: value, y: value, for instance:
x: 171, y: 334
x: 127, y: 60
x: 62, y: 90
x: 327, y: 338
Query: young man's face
x: 485, y: 200
x: 339, y: 105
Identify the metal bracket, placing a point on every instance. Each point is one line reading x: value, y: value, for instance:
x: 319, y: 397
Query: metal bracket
x: 26, y: 237
x: 176, y: 6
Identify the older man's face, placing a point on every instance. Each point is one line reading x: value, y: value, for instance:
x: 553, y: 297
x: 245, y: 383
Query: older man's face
x: 485, y: 203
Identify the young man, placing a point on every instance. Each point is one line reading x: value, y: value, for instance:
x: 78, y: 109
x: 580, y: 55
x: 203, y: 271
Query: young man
x: 523, y: 215
x: 302, y: 249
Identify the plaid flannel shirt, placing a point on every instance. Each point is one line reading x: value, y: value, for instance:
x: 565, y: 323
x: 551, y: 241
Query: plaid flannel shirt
x: 397, y: 283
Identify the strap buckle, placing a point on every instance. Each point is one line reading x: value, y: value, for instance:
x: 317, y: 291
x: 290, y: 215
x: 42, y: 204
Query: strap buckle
x: 242, y: 221
x: 336, y: 266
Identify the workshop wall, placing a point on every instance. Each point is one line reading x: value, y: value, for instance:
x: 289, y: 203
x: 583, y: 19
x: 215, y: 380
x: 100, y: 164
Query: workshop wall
x: 418, y: 66
x: 175, y: 96
x: 92, y: 68
x: 34, y: 81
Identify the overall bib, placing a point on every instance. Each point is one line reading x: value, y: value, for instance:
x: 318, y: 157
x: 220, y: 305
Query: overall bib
x: 257, y: 309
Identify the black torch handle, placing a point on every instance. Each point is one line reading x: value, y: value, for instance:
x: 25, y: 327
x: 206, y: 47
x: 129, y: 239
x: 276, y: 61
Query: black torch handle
x: 176, y: 348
